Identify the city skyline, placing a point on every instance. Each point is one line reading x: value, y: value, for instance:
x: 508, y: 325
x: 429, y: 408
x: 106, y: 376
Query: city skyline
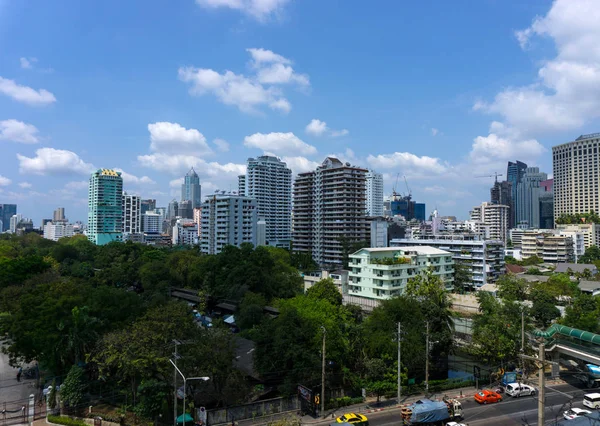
x: 278, y: 84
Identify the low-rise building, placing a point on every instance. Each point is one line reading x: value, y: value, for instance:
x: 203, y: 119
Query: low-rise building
x: 381, y: 273
x: 185, y: 232
x: 56, y: 231
x: 547, y: 246
x: 340, y: 279
x: 590, y: 232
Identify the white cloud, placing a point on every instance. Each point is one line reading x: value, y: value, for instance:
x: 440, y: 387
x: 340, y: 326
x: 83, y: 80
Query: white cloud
x: 130, y: 179
x: 285, y: 143
x: 261, y: 10
x: 317, y: 127
x: 409, y: 162
x: 493, y: 147
x: 17, y: 131
x: 25, y: 185
x: 50, y: 161
x: 77, y: 185
x: 566, y: 94
x: 172, y: 137
x: 4, y: 181
x: 176, y: 183
x: 25, y: 94
x: 300, y: 164
x: 177, y: 164
x: 434, y: 131
x: 221, y: 144
x: 27, y: 63
x: 248, y: 93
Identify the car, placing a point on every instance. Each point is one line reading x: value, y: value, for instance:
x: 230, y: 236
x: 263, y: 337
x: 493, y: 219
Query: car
x: 455, y: 424
x: 353, y: 419
x: 592, y: 400
x: 573, y: 413
x: 519, y: 389
x: 487, y: 396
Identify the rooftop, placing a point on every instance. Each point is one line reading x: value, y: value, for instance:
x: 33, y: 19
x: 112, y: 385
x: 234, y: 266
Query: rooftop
x: 418, y: 249
x: 575, y: 267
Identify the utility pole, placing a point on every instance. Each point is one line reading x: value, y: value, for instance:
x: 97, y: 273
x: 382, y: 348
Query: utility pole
x: 541, y: 363
x: 175, y: 356
x: 399, y: 361
x: 522, y: 329
x: 427, y: 357
x: 323, y: 374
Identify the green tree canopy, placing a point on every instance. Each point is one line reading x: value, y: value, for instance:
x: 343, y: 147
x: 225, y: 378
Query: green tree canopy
x: 327, y: 290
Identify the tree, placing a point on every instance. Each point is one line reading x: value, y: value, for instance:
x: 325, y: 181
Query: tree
x: 534, y: 271
x: 72, y: 391
x: 152, y: 394
x: 463, y: 280
x: 251, y: 311
x: 378, y: 377
x: 511, y: 287
x: 544, y: 309
x: 52, y: 396
x: 591, y: 255
x: 583, y: 313
x: 327, y: 290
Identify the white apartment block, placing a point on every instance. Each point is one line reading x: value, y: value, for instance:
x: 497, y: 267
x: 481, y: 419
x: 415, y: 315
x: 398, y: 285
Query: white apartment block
x: 484, y: 259
x: 496, y: 216
x: 382, y: 273
x: 547, y: 246
x: 269, y: 181
x: 56, y: 231
x: 227, y: 219
x: 576, y: 179
x: 185, y: 233
x: 590, y: 232
x: 132, y: 209
x: 374, y: 193
x: 379, y: 232
x: 152, y: 222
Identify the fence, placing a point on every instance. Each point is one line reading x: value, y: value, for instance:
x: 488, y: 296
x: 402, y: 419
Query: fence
x: 251, y: 411
x: 21, y: 411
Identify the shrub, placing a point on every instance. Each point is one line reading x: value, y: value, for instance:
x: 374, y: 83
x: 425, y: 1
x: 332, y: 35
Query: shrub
x: 67, y: 421
x: 343, y: 402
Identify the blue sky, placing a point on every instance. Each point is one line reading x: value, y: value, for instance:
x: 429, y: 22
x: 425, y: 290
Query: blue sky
x: 438, y: 91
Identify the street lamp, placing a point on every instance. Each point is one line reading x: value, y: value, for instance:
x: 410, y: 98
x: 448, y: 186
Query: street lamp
x: 185, y: 380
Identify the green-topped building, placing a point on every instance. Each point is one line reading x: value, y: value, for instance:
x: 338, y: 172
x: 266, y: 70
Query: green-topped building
x: 105, y: 207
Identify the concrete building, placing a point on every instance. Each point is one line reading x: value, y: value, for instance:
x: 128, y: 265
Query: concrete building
x: 382, y: 273
x: 269, y: 181
x: 152, y: 222
x: 528, y: 196
x: 227, y: 219
x: 379, y: 231
x: 374, y: 193
x: 495, y: 216
x: 185, y: 233
x: 514, y: 175
x: 59, y: 215
x: 6, y: 212
x: 191, y: 189
x: 14, y: 222
x: 105, y: 207
x: 185, y: 210
x: 576, y: 179
x: 501, y: 193
x: 172, y: 210
x: 329, y: 210
x: 56, y: 231
x: 340, y: 279
x: 132, y: 214
x: 547, y: 246
x: 484, y: 259
x: 589, y: 231
x: 147, y: 205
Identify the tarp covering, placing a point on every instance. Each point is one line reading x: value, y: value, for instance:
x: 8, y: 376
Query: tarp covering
x: 425, y: 410
x: 188, y: 418
x: 586, y: 336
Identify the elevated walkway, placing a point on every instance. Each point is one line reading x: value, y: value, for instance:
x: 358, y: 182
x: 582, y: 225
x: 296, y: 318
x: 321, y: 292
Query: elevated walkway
x: 579, y: 344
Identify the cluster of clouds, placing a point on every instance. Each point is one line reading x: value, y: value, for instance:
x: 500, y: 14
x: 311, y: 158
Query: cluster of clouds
x: 261, y: 10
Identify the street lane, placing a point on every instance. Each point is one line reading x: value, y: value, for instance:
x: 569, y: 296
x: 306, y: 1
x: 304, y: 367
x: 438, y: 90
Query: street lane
x: 511, y: 411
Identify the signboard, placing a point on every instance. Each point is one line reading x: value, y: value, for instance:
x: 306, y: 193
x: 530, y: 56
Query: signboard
x: 305, y: 393
x: 202, y: 415
x: 180, y: 393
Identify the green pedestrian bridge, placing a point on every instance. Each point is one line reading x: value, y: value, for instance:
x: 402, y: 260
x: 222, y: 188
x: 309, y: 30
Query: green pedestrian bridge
x: 579, y: 344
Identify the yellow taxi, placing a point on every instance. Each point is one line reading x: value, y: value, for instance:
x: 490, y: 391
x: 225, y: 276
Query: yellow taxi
x: 354, y: 419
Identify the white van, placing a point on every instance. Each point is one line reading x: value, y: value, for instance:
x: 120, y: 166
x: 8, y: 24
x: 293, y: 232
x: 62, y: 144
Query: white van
x: 592, y: 400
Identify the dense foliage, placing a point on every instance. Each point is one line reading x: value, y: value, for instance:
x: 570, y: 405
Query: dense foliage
x: 578, y: 218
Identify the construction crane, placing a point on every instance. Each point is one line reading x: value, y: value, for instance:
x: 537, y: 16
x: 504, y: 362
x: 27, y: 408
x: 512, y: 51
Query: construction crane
x: 394, y: 193
x: 495, y: 175
x: 407, y: 188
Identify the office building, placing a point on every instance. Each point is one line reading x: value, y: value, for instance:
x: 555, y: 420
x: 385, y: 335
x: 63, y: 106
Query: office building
x: 407, y: 208
x: 132, y: 214
x: 147, y: 205
x: 227, y: 219
x: 501, y: 193
x: 185, y: 210
x: 14, y: 222
x: 483, y: 259
x: 191, y: 189
x: 59, y: 215
x: 6, y: 212
x: 56, y: 231
x: 329, y: 211
x: 105, y: 207
x: 173, y: 210
x: 494, y: 216
x: 514, y: 175
x: 374, y: 193
x: 528, y: 197
x: 576, y: 179
x: 269, y: 181
x: 382, y: 273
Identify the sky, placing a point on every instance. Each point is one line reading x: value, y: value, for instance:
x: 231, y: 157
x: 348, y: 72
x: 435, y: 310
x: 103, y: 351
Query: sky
x: 442, y: 93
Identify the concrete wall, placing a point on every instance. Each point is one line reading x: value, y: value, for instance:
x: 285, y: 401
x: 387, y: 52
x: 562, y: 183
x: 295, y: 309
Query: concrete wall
x: 251, y: 411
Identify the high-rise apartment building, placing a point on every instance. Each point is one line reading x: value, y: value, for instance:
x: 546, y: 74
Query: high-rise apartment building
x: 59, y: 215
x: 547, y: 204
x: 185, y: 210
x: 14, y: 222
x: 269, y: 181
x: 105, y: 207
x: 374, y: 193
x: 495, y: 216
x: 152, y: 222
x: 227, y: 219
x: 501, y: 193
x: 242, y: 184
x: 191, y: 189
x: 329, y: 211
x: 6, y: 212
x: 514, y: 174
x: 173, y: 210
x: 576, y: 179
x: 528, y: 197
x: 132, y: 214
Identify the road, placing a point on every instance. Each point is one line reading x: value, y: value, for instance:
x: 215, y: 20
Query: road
x: 13, y: 394
x: 511, y: 411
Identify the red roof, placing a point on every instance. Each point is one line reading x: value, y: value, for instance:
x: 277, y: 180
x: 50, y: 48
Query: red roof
x: 515, y: 269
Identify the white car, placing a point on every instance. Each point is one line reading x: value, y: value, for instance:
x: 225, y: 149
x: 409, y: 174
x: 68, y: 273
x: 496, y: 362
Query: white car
x: 455, y: 424
x: 519, y: 389
x: 573, y: 413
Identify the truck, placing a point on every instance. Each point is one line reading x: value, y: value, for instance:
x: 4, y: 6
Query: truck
x: 426, y: 412
x: 590, y: 376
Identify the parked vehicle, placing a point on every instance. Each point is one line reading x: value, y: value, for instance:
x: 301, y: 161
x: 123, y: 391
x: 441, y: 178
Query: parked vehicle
x: 487, y: 396
x: 573, y: 413
x: 519, y: 389
x: 354, y: 419
x: 426, y: 412
x: 592, y: 400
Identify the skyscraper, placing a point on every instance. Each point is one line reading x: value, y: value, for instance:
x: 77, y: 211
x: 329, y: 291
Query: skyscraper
x: 528, y: 197
x: 132, y: 214
x: 105, y: 207
x: 374, y: 193
x: 173, y: 210
x: 59, y: 215
x: 514, y: 174
x: 269, y: 181
x: 576, y: 179
x: 185, y: 210
x: 6, y: 212
x: 147, y: 205
x: 330, y: 211
x: 501, y: 193
x: 191, y: 190
x: 495, y: 216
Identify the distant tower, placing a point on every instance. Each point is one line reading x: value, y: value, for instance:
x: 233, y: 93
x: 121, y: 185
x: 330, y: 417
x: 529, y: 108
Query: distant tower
x: 374, y: 193
x: 132, y: 220
x: 105, y: 207
x: 191, y: 189
x: 514, y: 175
